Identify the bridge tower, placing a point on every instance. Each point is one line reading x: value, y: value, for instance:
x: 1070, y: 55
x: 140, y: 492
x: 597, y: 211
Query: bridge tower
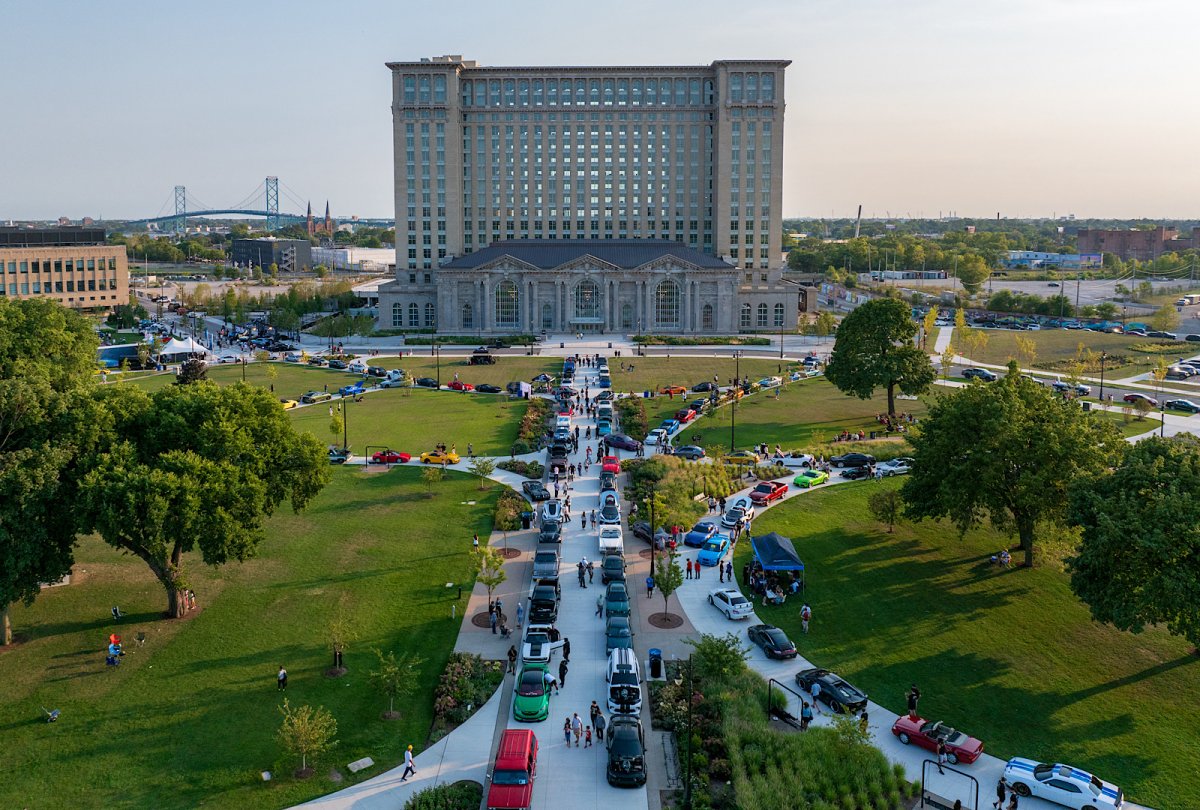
x: 272, y: 186
x: 180, y: 210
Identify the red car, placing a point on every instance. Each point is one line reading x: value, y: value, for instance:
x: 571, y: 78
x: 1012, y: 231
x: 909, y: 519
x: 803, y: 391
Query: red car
x: 610, y: 464
x: 390, y: 457
x: 457, y: 385
x: 565, y: 409
x: 926, y: 733
x: 1132, y: 399
x: 767, y: 491
x: 685, y: 415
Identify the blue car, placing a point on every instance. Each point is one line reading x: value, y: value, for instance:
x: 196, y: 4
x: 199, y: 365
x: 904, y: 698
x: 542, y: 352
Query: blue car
x: 351, y: 390
x: 605, y: 381
x: 670, y: 425
x: 700, y: 534
x: 712, y: 551
x: 604, y: 428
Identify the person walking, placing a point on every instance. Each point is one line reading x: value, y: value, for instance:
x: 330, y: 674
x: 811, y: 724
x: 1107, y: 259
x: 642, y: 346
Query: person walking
x: 587, y: 736
x: 649, y: 586
x: 582, y: 573
x: 591, y: 569
x: 512, y: 658
x: 566, y: 649
x: 815, y: 692
x: 729, y: 571
x: 600, y: 606
x: 689, y: 569
x: 475, y: 541
x: 593, y: 712
x: 562, y: 672
x: 576, y: 728
x: 520, y: 614
x: 1000, y: 793
x: 1012, y: 801
x: 567, y: 731
x: 281, y: 680
x: 805, y: 617
x: 492, y: 620
x: 696, y: 572
x: 409, y: 768
x: 720, y: 570
x: 941, y: 755
x: 878, y: 475
x: 806, y: 715
x: 913, y: 696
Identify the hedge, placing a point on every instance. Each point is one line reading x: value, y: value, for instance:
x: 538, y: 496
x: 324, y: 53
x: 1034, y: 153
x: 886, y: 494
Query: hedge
x: 632, y: 412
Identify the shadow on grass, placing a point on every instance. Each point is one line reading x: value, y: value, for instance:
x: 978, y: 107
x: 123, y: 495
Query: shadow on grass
x: 129, y: 625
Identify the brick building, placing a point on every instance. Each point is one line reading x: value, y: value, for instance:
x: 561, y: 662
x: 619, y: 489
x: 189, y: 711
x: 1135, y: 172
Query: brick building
x: 1140, y: 245
x: 72, y: 265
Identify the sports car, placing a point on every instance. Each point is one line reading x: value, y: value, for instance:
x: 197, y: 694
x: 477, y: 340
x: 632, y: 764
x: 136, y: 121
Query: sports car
x: 1133, y: 399
x: 854, y: 473
x: 1062, y: 784
x: 531, y: 698
x: 535, y: 490
x: 835, y: 693
x: 811, y: 478
x: 427, y: 382
x: 927, y: 733
x: 731, y: 603
x: 700, y: 534
x: 488, y: 388
x: 897, y: 466
x: 796, y: 460
x: 610, y: 464
x: 541, y: 640
x: 742, y: 457
x: 288, y: 404
x: 1182, y: 405
x: 774, y: 642
x: 459, y: 385
x: 685, y: 415
x: 713, y: 550
x: 669, y: 425
x: 621, y: 441
x: 852, y: 460
x: 672, y: 390
x: 768, y: 491
x: 390, y: 457
x: 439, y: 457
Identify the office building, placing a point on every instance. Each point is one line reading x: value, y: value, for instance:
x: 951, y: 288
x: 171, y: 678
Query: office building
x: 288, y: 255
x: 1142, y: 245
x: 680, y: 168
x: 72, y: 265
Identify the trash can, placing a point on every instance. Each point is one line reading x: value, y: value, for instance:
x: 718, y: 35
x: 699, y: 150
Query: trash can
x: 873, y: 434
x: 1087, y: 406
x: 526, y: 520
x: 655, y: 662
x: 610, y: 345
x: 562, y: 345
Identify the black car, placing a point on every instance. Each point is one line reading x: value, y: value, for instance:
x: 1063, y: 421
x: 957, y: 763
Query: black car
x: 1193, y: 338
x: 535, y: 490
x: 641, y: 530
x: 852, y: 460
x: 488, y: 388
x: 280, y: 347
x: 1182, y: 405
x: 376, y: 371
x: 608, y: 480
x: 704, y: 386
x: 980, y: 374
x: 1162, y: 335
x: 626, y: 752
x: 835, y: 693
x: 543, y: 605
x: 691, y: 452
x: 550, y: 532
x: 774, y: 642
x: 855, y: 473
x: 612, y: 569
x: 427, y: 382
x: 340, y: 364
x: 604, y: 396
x: 621, y: 441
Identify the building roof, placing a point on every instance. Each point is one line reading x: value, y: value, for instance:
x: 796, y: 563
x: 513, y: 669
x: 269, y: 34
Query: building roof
x: 59, y: 236
x: 547, y: 254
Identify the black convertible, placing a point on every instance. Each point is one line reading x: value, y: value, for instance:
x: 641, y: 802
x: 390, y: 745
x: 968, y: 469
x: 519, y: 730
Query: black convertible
x: 835, y: 693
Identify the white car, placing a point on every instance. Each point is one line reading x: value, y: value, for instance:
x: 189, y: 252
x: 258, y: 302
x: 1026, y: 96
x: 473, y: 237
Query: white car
x: 732, y: 517
x: 897, y: 466
x: 541, y: 640
x: 552, y: 511
x: 612, y: 539
x: 744, y: 503
x: 357, y: 366
x: 795, y: 461
x: 656, y: 436
x: 731, y: 603
x: 230, y: 358
x: 1061, y: 784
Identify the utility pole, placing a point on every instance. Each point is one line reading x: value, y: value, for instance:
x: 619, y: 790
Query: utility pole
x: 1078, y: 282
x: 737, y: 384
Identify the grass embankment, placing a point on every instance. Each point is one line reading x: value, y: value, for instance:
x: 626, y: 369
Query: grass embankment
x: 189, y: 718
x: 652, y: 373
x: 1057, y: 349
x: 1011, y: 657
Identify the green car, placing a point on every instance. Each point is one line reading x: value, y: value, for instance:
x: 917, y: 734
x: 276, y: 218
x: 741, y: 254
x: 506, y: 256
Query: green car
x: 616, y: 599
x: 531, y: 701
x: 810, y: 478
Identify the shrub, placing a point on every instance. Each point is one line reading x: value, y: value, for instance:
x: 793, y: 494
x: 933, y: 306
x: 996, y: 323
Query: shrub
x: 768, y: 472
x: 466, y: 684
x: 529, y: 469
x: 509, y: 507
x: 458, y: 796
x: 632, y: 412
x: 673, y: 340
x: 533, y: 423
x: 882, y: 449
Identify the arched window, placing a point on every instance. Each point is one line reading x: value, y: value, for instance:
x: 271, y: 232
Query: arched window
x: 744, y: 318
x: 547, y: 316
x: 627, y: 316
x: 666, y: 304
x: 414, y: 316
x: 468, y: 316
x: 587, y: 300
x: 397, y: 316
x: 762, y: 315
x: 429, y: 316
x: 507, y: 309
x: 706, y: 317
x: 779, y: 315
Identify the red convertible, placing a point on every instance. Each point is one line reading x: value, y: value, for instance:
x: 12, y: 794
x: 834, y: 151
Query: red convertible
x: 610, y: 464
x: 768, y: 491
x: 390, y: 457
x: 460, y: 386
x: 926, y: 733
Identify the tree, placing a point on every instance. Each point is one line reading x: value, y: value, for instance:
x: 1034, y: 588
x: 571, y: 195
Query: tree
x: 431, y: 476
x: 1143, y: 408
x: 929, y: 324
x: 362, y: 325
x: 191, y: 371
x: 874, y: 348
x: 489, y: 566
x: 1139, y: 560
x: 483, y: 467
x: 196, y: 467
x: 336, y: 422
x: 1166, y: 319
x: 1106, y: 310
x: 45, y: 340
x: 306, y: 732
x: 1005, y: 451
x: 1026, y: 351
x: 718, y: 659
x: 972, y: 272
x: 395, y: 678
x: 885, y: 506
x: 668, y: 576
x: 341, y: 632
x: 825, y: 324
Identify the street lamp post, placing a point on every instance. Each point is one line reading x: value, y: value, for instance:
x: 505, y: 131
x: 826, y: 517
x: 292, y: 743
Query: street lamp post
x: 1103, y: 357
x: 345, y: 424
x: 687, y: 785
x: 243, y: 368
x: 737, y: 382
x: 437, y: 353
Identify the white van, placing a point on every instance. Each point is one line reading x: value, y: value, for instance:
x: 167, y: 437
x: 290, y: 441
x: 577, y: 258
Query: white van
x: 612, y: 539
x: 624, y: 678
x: 562, y: 422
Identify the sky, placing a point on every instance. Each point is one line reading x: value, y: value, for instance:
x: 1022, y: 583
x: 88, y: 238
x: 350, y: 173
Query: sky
x: 1022, y: 108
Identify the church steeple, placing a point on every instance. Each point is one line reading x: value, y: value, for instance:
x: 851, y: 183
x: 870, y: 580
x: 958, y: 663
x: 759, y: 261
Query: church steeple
x: 309, y: 220
x: 328, y: 220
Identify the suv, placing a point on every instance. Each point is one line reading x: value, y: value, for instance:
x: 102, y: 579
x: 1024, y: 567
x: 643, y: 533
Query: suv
x: 545, y: 564
x: 626, y: 752
x: 624, y: 679
x: 980, y: 374
x: 515, y: 769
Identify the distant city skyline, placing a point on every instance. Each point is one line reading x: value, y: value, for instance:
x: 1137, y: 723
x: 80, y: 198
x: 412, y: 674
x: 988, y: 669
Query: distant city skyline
x: 1029, y: 108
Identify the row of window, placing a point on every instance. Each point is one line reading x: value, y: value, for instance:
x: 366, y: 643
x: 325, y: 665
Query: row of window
x: 751, y: 88
x: 59, y: 265
x: 424, y: 88
x: 620, y: 92
x: 761, y: 321
x: 70, y: 285
x: 694, y: 116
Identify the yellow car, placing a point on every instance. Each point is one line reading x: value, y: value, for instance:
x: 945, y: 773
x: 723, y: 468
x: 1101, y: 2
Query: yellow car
x: 439, y: 457
x: 742, y: 457
x: 288, y: 404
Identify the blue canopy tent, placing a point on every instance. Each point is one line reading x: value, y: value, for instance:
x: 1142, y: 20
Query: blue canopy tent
x: 774, y: 552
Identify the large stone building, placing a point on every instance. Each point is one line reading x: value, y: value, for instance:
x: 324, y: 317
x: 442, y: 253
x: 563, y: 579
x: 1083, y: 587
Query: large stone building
x: 1142, y: 245
x: 74, y: 266
x: 588, y: 198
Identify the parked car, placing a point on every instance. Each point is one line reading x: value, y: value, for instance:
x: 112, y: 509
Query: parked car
x: 541, y: 640
x: 656, y: 437
x: 704, y: 386
x: 855, y: 473
x: 641, y: 530
x: 733, y: 516
x: 608, y: 480
x: 610, y: 464
x: 545, y: 564
x: 1133, y: 398
x: 612, y: 569
x: 531, y: 696
x: 550, y: 533
x: 897, y: 466
x: 1062, y: 387
x: 535, y: 491
x: 744, y: 503
x: 339, y: 455
x: 439, y: 457
x: 543, y: 604
x: 927, y: 734
x: 713, y: 550
x: 514, y: 771
x: 811, y: 478
x: 426, y: 382
x: 617, y: 634
x: 984, y: 374
x: 796, y: 460
x: 288, y: 404
x: 316, y: 396
x: 616, y: 599
x: 773, y: 641
x: 691, y: 452
x: 1162, y: 335
x: 852, y: 460
x: 552, y: 511
x: 700, y: 534
x: 672, y: 390
x: 742, y: 457
x: 731, y: 603
x: 621, y: 441
x: 685, y: 415
x: 1061, y: 784
x: 229, y: 358
x: 352, y: 390
x: 835, y: 693
x: 390, y: 457
x: 459, y: 385
x: 376, y: 371
x: 1182, y: 405
x: 610, y: 509
x: 488, y: 388
x: 625, y: 745
x: 341, y: 365
x: 768, y: 491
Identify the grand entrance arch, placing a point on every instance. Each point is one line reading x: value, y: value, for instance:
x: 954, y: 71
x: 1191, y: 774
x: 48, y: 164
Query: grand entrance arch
x: 587, y: 311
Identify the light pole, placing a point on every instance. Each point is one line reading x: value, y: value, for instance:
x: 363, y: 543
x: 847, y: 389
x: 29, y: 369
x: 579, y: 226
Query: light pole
x: 737, y: 387
x: 345, y: 424
x: 653, y: 542
x: 687, y: 786
x: 437, y: 353
x: 1103, y: 357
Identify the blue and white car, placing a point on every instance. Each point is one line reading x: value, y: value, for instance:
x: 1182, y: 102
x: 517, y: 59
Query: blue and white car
x: 1062, y: 784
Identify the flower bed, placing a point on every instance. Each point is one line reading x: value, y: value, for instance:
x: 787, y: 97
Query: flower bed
x: 466, y: 684
x: 509, y: 507
x: 632, y: 412
x: 529, y: 469
x: 533, y: 423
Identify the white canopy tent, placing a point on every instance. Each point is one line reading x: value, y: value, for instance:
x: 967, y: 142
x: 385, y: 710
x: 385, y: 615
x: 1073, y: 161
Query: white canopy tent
x: 177, y: 347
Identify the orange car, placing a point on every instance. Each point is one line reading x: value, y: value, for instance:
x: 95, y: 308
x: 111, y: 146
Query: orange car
x: 673, y: 389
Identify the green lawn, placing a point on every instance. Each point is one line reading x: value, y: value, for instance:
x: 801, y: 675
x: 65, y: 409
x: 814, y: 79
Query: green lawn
x: 506, y: 369
x: 1133, y: 427
x: 189, y: 719
x: 655, y: 372
x: 1009, y: 656
x: 1055, y: 347
x: 413, y: 420
x: 290, y: 380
